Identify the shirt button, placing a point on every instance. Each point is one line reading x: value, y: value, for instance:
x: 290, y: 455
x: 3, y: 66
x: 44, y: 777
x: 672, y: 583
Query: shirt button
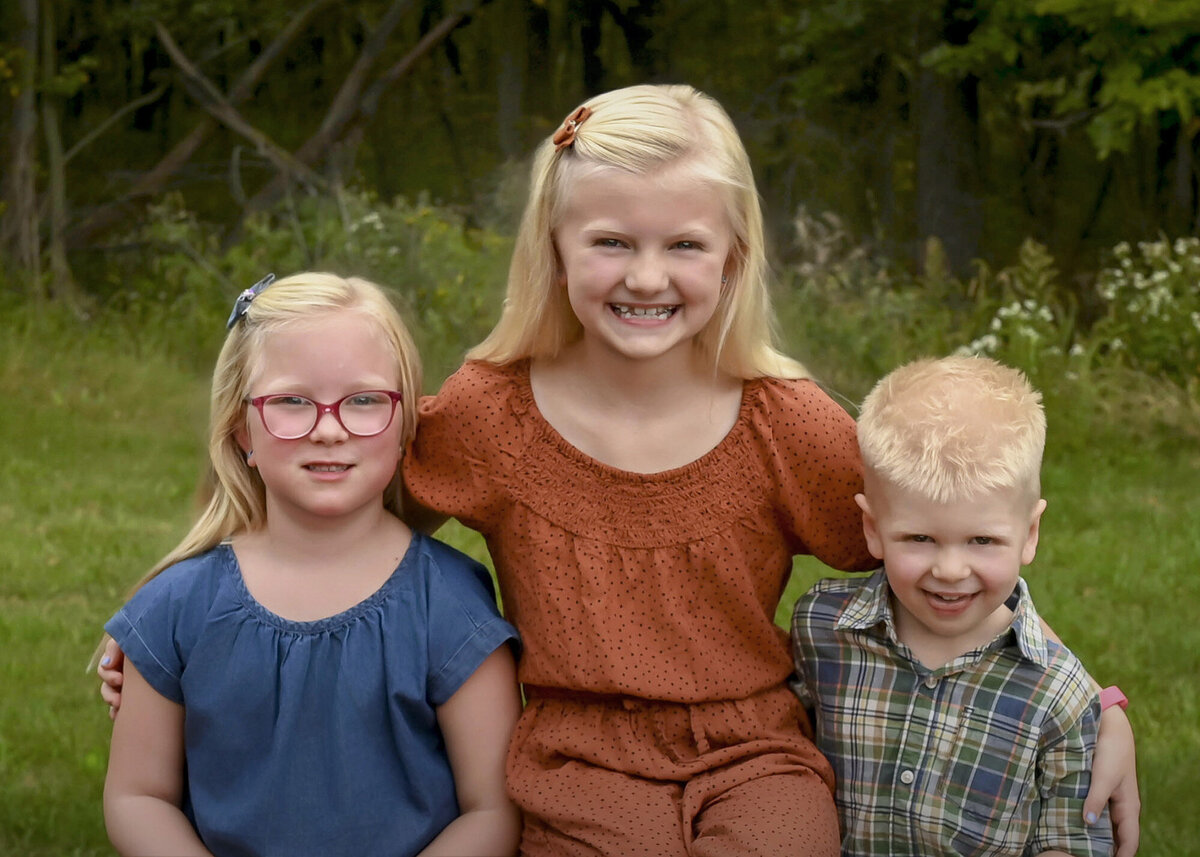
x: 907, y: 777
x: 931, y: 682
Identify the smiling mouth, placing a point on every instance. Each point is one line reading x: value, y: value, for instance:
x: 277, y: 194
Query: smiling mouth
x: 648, y: 312
x: 950, y: 599
x: 327, y: 468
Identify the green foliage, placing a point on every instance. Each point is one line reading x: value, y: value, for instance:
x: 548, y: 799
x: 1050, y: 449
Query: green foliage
x: 853, y: 317
x: 447, y: 276
x: 1152, y: 294
x: 1113, y: 66
x: 1030, y: 315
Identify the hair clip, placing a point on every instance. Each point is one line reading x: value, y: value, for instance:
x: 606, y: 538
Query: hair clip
x: 565, y: 135
x: 243, y: 300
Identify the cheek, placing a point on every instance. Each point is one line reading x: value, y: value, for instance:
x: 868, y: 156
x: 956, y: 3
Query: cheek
x: 907, y: 562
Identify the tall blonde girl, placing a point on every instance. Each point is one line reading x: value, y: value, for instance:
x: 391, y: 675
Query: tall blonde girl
x: 303, y: 673
x: 644, y: 463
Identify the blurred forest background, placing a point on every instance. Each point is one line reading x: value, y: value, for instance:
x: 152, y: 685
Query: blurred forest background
x: 1012, y: 177
x: 982, y: 123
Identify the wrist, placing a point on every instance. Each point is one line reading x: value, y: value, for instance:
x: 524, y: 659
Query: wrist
x: 1112, y: 695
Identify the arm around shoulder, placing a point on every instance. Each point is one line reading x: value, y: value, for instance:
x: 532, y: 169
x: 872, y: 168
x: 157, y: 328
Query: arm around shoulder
x: 1114, y: 775
x: 814, y: 462
x: 143, y: 790
x: 1114, y: 781
x: 477, y: 723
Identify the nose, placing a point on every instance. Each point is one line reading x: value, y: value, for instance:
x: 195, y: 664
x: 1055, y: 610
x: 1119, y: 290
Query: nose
x: 327, y: 429
x: 647, y: 274
x: 950, y: 566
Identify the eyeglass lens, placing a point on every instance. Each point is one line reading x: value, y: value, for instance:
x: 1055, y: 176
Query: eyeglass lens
x: 364, y: 414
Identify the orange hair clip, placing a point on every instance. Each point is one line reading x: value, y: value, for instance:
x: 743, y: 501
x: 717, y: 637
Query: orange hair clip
x: 565, y: 135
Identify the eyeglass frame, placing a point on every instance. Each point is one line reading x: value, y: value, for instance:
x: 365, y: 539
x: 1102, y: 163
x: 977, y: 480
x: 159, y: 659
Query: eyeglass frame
x: 324, y: 408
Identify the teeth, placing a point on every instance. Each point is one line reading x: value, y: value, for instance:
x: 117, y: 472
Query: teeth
x: 328, y: 468
x: 659, y: 312
x: 949, y: 598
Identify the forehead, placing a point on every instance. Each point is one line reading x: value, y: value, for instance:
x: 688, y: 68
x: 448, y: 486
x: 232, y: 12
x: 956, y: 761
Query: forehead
x: 682, y: 175
x: 326, y: 345
x: 674, y: 191
x: 908, y: 509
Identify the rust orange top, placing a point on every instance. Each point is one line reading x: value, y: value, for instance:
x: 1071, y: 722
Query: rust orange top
x: 660, y: 586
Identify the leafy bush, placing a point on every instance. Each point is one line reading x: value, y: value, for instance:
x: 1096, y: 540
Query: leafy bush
x: 1030, y: 318
x: 448, y: 277
x: 854, y: 317
x: 1152, y: 296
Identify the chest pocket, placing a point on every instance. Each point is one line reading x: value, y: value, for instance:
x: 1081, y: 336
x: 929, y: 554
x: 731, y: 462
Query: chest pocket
x: 989, y: 783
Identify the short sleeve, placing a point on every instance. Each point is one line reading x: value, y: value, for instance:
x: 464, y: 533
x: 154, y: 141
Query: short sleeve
x: 1064, y: 771
x: 465, y: 441
x: 464, y: 623
x: 814, y: 452
x: 154, y: 627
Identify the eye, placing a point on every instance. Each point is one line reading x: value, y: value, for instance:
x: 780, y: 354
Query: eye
x: 919, y: 539
x: 983, y: 540
x: 612, y: 243
x: 287, y: 401
x: 689, y: 245
x: 367, y: 399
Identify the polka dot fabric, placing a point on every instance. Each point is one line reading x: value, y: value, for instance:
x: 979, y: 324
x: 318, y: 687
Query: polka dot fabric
x: 656, y: 591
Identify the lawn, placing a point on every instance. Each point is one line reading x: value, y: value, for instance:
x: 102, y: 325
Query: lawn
x: 103, y: 439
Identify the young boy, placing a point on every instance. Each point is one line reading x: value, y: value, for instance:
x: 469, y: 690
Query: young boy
x: 954, y: 724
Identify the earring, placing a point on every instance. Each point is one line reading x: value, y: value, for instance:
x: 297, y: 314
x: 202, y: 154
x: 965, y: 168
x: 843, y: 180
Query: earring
x: 724, y: 279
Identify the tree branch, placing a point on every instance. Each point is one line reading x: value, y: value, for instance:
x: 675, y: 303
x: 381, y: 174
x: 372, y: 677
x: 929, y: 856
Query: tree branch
x: 349, y: 109
x: 87, y: 139
x: 152, y: 182
x: 211, y: 99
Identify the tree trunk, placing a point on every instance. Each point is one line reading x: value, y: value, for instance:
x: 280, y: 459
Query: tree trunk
x: 19, y: 227
x: 948, y: 160
x: 510, y: 27
x: 1182, y: 207
x: 62, y: 282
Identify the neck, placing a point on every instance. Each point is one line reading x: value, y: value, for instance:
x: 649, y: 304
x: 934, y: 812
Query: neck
x: 935, y: 652
x: 654, y: 383
x: 318, y: 540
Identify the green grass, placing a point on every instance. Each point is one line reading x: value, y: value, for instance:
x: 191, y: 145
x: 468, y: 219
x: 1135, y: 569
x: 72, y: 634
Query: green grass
x: 103, y: 439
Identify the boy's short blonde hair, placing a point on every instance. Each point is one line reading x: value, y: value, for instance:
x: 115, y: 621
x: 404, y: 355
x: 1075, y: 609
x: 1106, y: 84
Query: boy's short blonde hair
x: 953, y: 428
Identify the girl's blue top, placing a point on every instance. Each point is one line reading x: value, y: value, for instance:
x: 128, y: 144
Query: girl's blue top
x: 315, y: 738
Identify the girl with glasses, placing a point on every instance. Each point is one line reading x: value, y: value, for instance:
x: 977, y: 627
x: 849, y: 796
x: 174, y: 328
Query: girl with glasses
x: 303, y: 673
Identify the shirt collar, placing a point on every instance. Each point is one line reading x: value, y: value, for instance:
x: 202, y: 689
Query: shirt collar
x: 870, y: 607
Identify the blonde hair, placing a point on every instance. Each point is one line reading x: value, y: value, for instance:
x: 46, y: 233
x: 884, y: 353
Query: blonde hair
x: 233, y: 495
x: 641, y: 129
x: 952, y: 428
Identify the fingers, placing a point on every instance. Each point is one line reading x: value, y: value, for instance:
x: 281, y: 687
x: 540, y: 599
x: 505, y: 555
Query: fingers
x: 1125, y: 812
x: 110, y: 669
x: 110, y: 695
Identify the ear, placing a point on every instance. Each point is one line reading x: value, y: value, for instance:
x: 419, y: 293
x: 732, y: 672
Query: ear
x: 242, y: 436
x: 1029, y: 549
x: 870, y: 528
x: 730, y: 270
x: 560, y: 270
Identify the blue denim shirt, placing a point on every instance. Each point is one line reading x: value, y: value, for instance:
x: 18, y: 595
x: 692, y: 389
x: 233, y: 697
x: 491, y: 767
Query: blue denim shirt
x: 315, y: 737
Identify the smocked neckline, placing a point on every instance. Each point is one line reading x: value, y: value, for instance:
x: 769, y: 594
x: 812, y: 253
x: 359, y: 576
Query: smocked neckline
x: 528, y: 404
x: 327, y: 624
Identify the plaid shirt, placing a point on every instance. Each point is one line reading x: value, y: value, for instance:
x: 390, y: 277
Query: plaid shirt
x: 989, y: 754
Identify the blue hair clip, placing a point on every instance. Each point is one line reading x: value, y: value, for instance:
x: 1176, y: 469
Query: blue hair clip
x: 243, y: 300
